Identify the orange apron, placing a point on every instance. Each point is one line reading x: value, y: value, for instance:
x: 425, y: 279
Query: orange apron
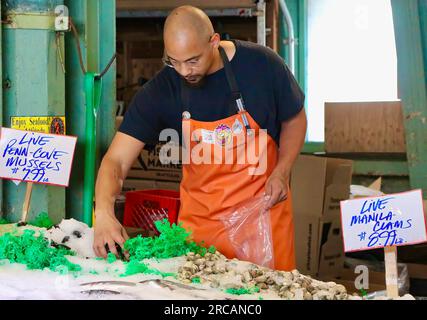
x: 209, y: 189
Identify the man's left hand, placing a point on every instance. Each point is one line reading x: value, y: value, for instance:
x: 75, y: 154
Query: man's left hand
x: 276, y: 189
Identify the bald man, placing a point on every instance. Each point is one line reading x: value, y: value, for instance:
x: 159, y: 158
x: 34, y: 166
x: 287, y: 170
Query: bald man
x: 215, y: 94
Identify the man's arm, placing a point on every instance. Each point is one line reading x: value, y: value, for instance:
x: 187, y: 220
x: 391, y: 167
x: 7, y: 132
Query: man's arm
x: 292, y: 137
x: 113, y: 171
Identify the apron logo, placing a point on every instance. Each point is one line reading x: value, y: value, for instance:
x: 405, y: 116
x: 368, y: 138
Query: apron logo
x: 208, y: 136
x: 237, y: 127
x: 223, y: 135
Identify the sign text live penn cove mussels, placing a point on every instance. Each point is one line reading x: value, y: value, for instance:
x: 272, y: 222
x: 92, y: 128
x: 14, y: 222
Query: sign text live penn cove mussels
x: 17, y: 153
x: 36, y: 157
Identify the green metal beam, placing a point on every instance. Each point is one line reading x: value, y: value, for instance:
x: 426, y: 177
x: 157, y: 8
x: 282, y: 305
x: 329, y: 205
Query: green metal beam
x: 36, y: 85
x: 91, y: 122
x: 313, y: 147
x: 412, y: 85
x: 107, y: 112
x: 375, y: 165
x: 93, y: 30
x: 95, y: 22
x: 380, y: 168
x: 1, y: 104
x: 302, y: 43
x: 423, y: 28
x: 298, y: 10
x: 30, y: 5
x: 75, y: 105
x: 34, y: 20
x: 101, y: 47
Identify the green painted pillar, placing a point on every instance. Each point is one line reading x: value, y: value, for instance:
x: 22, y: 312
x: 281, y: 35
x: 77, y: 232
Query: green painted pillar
x: 107, y: 47
x: 423, y: 29
x: 34, y: 85
x: 298, y: 12
x: 298, y: 9
x: 95, y: 21
x: 409, y: 16
x: 1, y: 106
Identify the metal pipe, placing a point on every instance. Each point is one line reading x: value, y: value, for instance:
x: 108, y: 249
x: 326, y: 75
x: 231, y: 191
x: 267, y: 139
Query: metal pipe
x: 93, y: 97
x: 261, y: 34
x: 291, y: 36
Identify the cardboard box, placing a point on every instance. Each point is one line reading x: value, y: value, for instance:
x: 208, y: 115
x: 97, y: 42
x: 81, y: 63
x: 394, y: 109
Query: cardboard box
x: 413, y: 254
x: 149, y: 166
x: 318, y: 245
x: 139, y: 184
x: 417, y: 270
x: 348, y: 279
x: 159, y: 175
x: 318, y: 185
x: 354, y: 127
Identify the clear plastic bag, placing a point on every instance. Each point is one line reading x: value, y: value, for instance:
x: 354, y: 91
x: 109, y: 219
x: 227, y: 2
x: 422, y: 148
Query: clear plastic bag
x: 248, y: 227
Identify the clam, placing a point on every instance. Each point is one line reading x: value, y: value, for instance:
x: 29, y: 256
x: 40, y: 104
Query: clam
x: 198, y: 262
x: 246, y: 276
x: 260, y: 279
x: 262, y: 285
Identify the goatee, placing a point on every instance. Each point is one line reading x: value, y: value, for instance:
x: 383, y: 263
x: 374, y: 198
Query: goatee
x: 197, y: 84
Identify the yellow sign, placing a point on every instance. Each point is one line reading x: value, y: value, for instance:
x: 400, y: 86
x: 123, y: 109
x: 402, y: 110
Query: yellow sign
x: 55, y: 125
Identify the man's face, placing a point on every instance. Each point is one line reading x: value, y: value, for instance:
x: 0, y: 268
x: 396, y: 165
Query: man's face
x: 191, y: 59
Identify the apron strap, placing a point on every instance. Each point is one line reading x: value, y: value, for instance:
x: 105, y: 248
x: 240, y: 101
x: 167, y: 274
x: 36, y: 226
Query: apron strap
x: 229, y: 72
x: 185, y: 99
x: 235, y: 92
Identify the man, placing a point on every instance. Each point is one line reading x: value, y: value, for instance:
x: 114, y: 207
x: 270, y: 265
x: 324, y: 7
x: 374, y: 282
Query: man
x: 213, y: 92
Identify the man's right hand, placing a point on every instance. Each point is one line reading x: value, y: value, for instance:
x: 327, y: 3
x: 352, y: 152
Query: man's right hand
x: 108, y: 231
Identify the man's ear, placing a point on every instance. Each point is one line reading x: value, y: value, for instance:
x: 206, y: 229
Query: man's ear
x: 215, y: 40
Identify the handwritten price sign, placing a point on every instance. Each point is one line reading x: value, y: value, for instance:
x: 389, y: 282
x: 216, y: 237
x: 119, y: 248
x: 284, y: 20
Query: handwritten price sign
x: 377, y: 222
x: 36, y: 157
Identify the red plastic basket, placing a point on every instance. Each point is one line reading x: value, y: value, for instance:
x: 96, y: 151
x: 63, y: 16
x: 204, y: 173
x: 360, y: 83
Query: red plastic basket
x: 143, y: 208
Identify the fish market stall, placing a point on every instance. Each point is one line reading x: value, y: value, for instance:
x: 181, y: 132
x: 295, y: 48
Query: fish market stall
x: 59, y: 263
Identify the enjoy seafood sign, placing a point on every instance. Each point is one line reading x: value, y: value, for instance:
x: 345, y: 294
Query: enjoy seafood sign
x: 36, y: 157
x: 377, y: 222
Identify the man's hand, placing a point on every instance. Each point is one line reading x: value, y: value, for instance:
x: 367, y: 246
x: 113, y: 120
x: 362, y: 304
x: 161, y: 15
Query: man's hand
x: 292, y: 137
x: 108, y: 231
x: 113, y: 171
x: 276, y: 188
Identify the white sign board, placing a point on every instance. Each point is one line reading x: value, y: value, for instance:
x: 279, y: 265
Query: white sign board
x: 377, y: 222
x: 36, y: 157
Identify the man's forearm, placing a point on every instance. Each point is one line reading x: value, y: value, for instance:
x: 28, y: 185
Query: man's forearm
x: 292, y: 139
x: 114, y: 168
x: 108, y: 186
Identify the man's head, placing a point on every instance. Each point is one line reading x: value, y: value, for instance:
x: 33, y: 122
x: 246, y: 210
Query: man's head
x: 190, y: 43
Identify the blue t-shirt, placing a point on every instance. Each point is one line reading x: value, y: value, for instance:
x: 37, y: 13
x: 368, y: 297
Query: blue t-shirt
x: 270, y: 92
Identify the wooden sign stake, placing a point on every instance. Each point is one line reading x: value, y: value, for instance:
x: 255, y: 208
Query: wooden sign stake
x: 27, y: 200
x: 391, y: 276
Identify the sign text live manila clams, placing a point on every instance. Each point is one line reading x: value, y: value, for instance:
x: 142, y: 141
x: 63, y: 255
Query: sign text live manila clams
x: 391, y: 220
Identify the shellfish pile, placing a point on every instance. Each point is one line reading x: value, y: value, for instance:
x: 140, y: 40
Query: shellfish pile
x: 215, y: 270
